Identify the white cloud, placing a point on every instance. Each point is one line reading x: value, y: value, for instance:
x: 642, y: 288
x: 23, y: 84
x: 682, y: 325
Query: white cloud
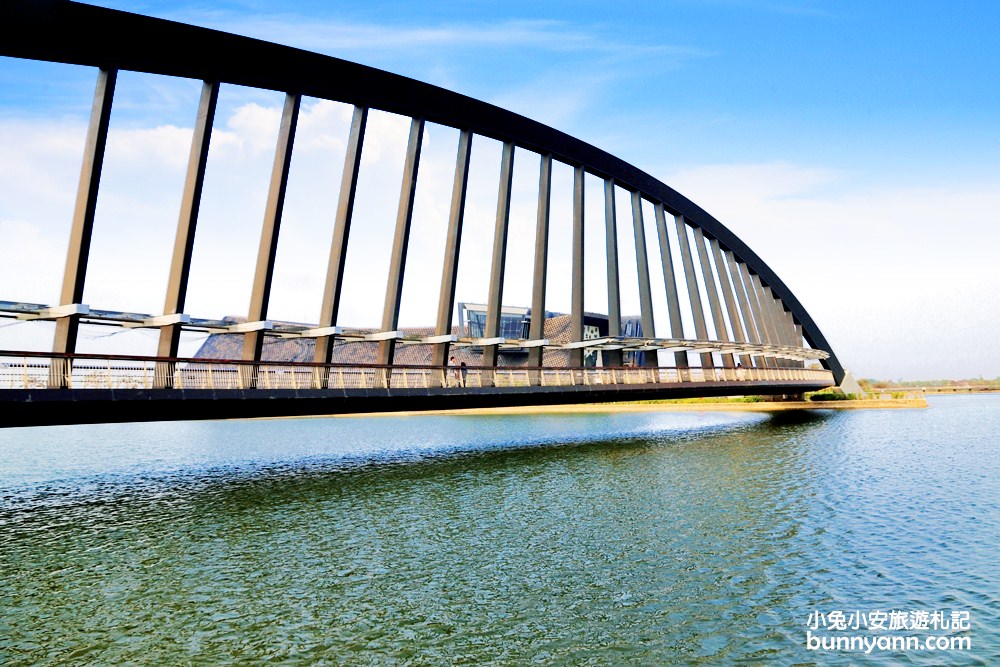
x: 534, y: 98
x: 253, y: 127
x: 330, y: 36
x: 36, y: 160
x: 778, y: 180
x: 165, y: 145
x: 550, y: 70
x: 24, y: 247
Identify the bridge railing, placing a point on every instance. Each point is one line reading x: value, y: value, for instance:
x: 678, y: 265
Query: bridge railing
x: 36, y: 370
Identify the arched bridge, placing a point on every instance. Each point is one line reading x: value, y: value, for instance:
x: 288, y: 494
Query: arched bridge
x: 729, y: 325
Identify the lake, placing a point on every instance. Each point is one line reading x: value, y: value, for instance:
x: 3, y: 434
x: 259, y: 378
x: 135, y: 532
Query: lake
x: 590, y: 539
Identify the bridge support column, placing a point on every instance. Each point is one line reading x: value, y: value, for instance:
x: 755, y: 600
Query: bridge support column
x: 576, y: 298
x: 768, y: 335
x: 180, y: 265
x: 725, y: 280
x: 778, y: 317
x: 701, y: 330
x: 452, y: 247
x: 400, y: 241
x: 77, y: 256
x: 713, y: 295
x: 670, y: 284
x: 612, y: 357
x: 338, y: 247
x: 754, y: 305
x: 536, y: 330
x: 253, y: 341
x: 799, y: 340
x: 750, y: 326
x: 642, y: 268
x: 494, y: 305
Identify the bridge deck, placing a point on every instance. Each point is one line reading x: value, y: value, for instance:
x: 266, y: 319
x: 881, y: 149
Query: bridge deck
x: 38, y: 388
x: 36, y: 407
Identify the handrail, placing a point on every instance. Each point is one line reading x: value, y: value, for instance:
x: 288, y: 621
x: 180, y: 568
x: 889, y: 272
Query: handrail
x: 304, y: 364
x: 95, y: 371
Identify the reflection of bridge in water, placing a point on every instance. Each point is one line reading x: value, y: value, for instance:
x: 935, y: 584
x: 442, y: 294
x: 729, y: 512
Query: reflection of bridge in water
x: 733, y: 327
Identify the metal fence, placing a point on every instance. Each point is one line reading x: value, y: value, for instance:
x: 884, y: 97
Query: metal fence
x: 40, y: 371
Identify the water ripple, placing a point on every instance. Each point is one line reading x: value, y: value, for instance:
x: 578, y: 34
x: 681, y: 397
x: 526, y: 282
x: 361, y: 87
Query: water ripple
x: 589, y: 539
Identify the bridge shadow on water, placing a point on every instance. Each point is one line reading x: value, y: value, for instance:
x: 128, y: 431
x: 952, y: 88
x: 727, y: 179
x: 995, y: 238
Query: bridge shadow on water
x: 792, y: 417
x: 654, y: 520
x: 262, y: 474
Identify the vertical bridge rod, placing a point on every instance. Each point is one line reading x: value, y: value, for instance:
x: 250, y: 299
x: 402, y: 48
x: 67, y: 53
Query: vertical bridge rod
x: 494, y: 305
x: 400, y: 241
x: 78, y: 254
x: 341, y: 233
x: 253, y: 341
x: 187, y: 223
x: 670, y: 283
x: 452, y: 246
x: 757, y: 296
x: 612, y: 357
x: 754, y: 298
x: 751, y: 331
x: 778, y: 320
x: 770, y: 311
x: 576, y: 299
x: 701, y: 330
x: 786, y: 321
x: 794, y: 337
x: 729, y: 297
x: 642, y: 268
x: 713, y: 295
x: 799, y: 341
x: 537, y: 327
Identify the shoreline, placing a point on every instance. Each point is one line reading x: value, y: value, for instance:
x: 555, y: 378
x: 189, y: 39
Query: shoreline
x: 722, y: 406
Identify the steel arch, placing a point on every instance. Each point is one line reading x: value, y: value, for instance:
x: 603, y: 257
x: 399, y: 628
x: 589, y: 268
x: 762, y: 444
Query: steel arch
x: 70, y: 32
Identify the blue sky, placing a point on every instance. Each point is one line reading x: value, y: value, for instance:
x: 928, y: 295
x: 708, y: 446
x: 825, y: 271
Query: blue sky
x: 853, y: 145
x: 838, y: 82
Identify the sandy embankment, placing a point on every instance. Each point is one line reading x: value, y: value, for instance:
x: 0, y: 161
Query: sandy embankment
x: 722, y: 406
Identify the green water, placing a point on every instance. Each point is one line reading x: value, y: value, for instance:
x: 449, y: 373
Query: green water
x: 633, y: 539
